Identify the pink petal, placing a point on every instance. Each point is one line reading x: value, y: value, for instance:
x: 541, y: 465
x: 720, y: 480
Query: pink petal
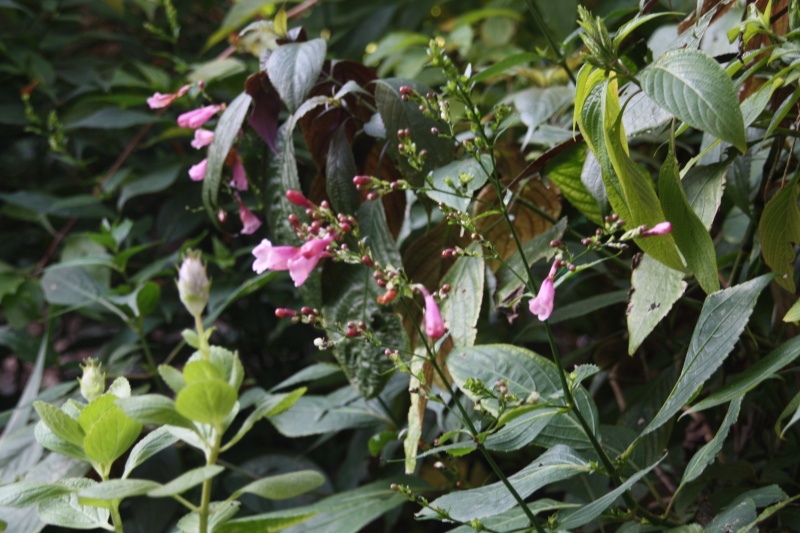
x: 202, y: 138
x: 158, y: 100
x: 434, y: 326
x: 542, y: 305
x: 197, y: 117
x: 239, y: 181
x: 301, y: 267
x: 198, y: 171
x: 250, y: 222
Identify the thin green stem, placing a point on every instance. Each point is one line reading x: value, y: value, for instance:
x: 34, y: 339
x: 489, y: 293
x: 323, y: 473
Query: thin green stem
x: 116, y: 519
x: 201, y: 333
x: 539, y: 20
x: 205, y: 498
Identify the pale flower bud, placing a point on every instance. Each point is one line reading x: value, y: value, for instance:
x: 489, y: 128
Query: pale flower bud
x: 193, y: 284
x: 93, y: 380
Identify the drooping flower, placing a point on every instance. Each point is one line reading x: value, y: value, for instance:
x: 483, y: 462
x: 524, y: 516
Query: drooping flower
x: 198, y: 171
x: 193, y: 284
x: 197, y: 117
x: 269, y: 257
x: 250, y: 222
x: 662, y: 228
x: 239, y: 179
x: 202, y: 138
x: 542, y: 304
x: 434, y: 326
x: 159, y: 100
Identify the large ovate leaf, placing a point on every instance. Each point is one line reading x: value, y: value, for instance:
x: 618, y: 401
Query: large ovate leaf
x: 655, y: 288
x: 294, y: 68
x: 556, y: 464
x: 111, y: 436
x: 27, y: 493
x: 778, y: 229
x: 722, y: 319
x: 695, y: 88
x: 690, y: 234
x: 224, y: 136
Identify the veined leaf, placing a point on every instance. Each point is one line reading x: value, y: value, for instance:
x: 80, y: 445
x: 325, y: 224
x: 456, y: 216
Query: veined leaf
x: 778, y: 229
x: 462, y: 307
x: 690, y: 234
x: 284, y: 486
x: 565, y: 170
x: 722, y: 320
x: 150, y: 445
x: 696, y: 89
x: 294, y: 68
x: 186, y: 481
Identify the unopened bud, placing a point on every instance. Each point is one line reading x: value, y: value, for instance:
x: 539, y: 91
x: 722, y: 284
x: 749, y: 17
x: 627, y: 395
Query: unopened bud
x: 282, y: 312
x: 297, y: 198
x: 387, y: 297
x: 93, y: 380
x: 193, y: 284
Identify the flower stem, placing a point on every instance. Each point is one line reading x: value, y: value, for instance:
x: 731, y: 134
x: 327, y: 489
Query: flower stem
x: 201, y: 334
x: 116, y: 519
x: 205, y: 498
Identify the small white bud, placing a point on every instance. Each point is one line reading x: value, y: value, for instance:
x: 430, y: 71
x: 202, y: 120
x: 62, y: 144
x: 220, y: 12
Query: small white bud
x: 193, y: 284
x: 93, y: 380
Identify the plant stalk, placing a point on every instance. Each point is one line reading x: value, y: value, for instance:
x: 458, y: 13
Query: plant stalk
x: 205, y: 498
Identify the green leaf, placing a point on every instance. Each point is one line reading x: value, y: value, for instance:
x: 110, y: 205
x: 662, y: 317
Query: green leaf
x: 150, y: 445
x: 310, y: 373
x: 743, y: 383
x: 733, y: 518
x: 793, y: 405
x: 703, y: 186
x: 588, y: 513
x: 266, y: 524
x: 455, y: 183
x: 111, y: 436
x: 294, y: 68
x: 153, y: 409
x: 462, y: 307
x: 536, y: 105
x: 225, y: 135
x: 118, y: 489
x: 690, y: 234
x: 65, y: 511
x: 378, y: 442
x: 159, y: 179
x: 219, y: 513
x: 270, y: 405
x: 708, y: 453
x: 216, y: 69
x: 628, y: 28
x: 186, y: 481
x: 696, y: 89
x: 285, y: 486
x: 208, y: 402
x: 201, y: 370
x: 60, y: 423
x: 778, y: 229
x: 637, y: 187
x: 505, y: 64
x: 27, y: 493
x: 53, y: 442
x: 347, y: 512
x: 556, y: 464
x: 340, y: 169
x: 71, y: 286
x: 793, y: 314
x: 767, y: 513
x: 524, y: 372
x: 587, y: 306
x: 172, y: 376
x: 112, y: 118
x: 565, y: 170
x: 521, y: 430
x: 372, y: 221
x: 722, y: 320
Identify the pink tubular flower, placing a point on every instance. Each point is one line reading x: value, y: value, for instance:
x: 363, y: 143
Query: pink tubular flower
x: 297, y: 198
x: 239, y: 180
x: 159, y: 100
x: 434, y: 326
x: 196, y: 118
x: 198, y: 171
x: 298, y: 261
x: 542, y: 305
x: 250, y: 222
x: 202, y: 138
x: 662, y: 228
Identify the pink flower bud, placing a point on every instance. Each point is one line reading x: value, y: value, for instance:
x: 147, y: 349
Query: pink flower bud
x: 662, y: 228
x: 202, y: 138
x: 297, y: 198
x: 282, y: 312
x: 198, y: 171
x: 196, y: 118
x: 158, y: 100
x: 434, y: 326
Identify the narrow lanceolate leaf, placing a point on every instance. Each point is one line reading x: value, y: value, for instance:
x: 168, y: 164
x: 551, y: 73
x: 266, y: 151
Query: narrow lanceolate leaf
x: 285, y: 486
x: 703, y: 186
x: 706, y: 455
x: 696, y: 89
x: 294, y: 68
x: 27, y: 493
x: 778, y: 229
x: 186, y: 481
x: 118, y: 489
x: 765, y: 369
x: 637, y: 187
x: 587, y: 513
x: 721, y: 322
x: 556, y: 464
x: 421, y: 374
x: 153, y: 443
x: 566, y: 170
x: 224, y: 136
x: 655, y: 288
x: 340, y: 168
x: 690, y: 234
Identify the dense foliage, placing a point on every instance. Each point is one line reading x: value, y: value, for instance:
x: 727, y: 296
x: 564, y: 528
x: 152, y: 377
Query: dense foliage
x: 499, y: 266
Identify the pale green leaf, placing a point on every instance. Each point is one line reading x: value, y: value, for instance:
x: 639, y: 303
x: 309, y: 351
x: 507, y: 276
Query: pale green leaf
x: 186, y: 481
x: 764, y: 369
x: 153, y: 409
x: 65, y: 511
x: 722, y: 320
x: 695, y: 88
x: 60, y: 423
x: 118, y: 489
x: 285, y: 486
x: 556, y: 464
x: 462, y: 307
x: 150, y: 445
x: 708, y: 453
x: 793, y: 314
x: 294, y: 68
x: 208, y: 401
x: 111, y: 436
x: 27, y: 493
x: 703, y: 186
x: 655, y: 288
